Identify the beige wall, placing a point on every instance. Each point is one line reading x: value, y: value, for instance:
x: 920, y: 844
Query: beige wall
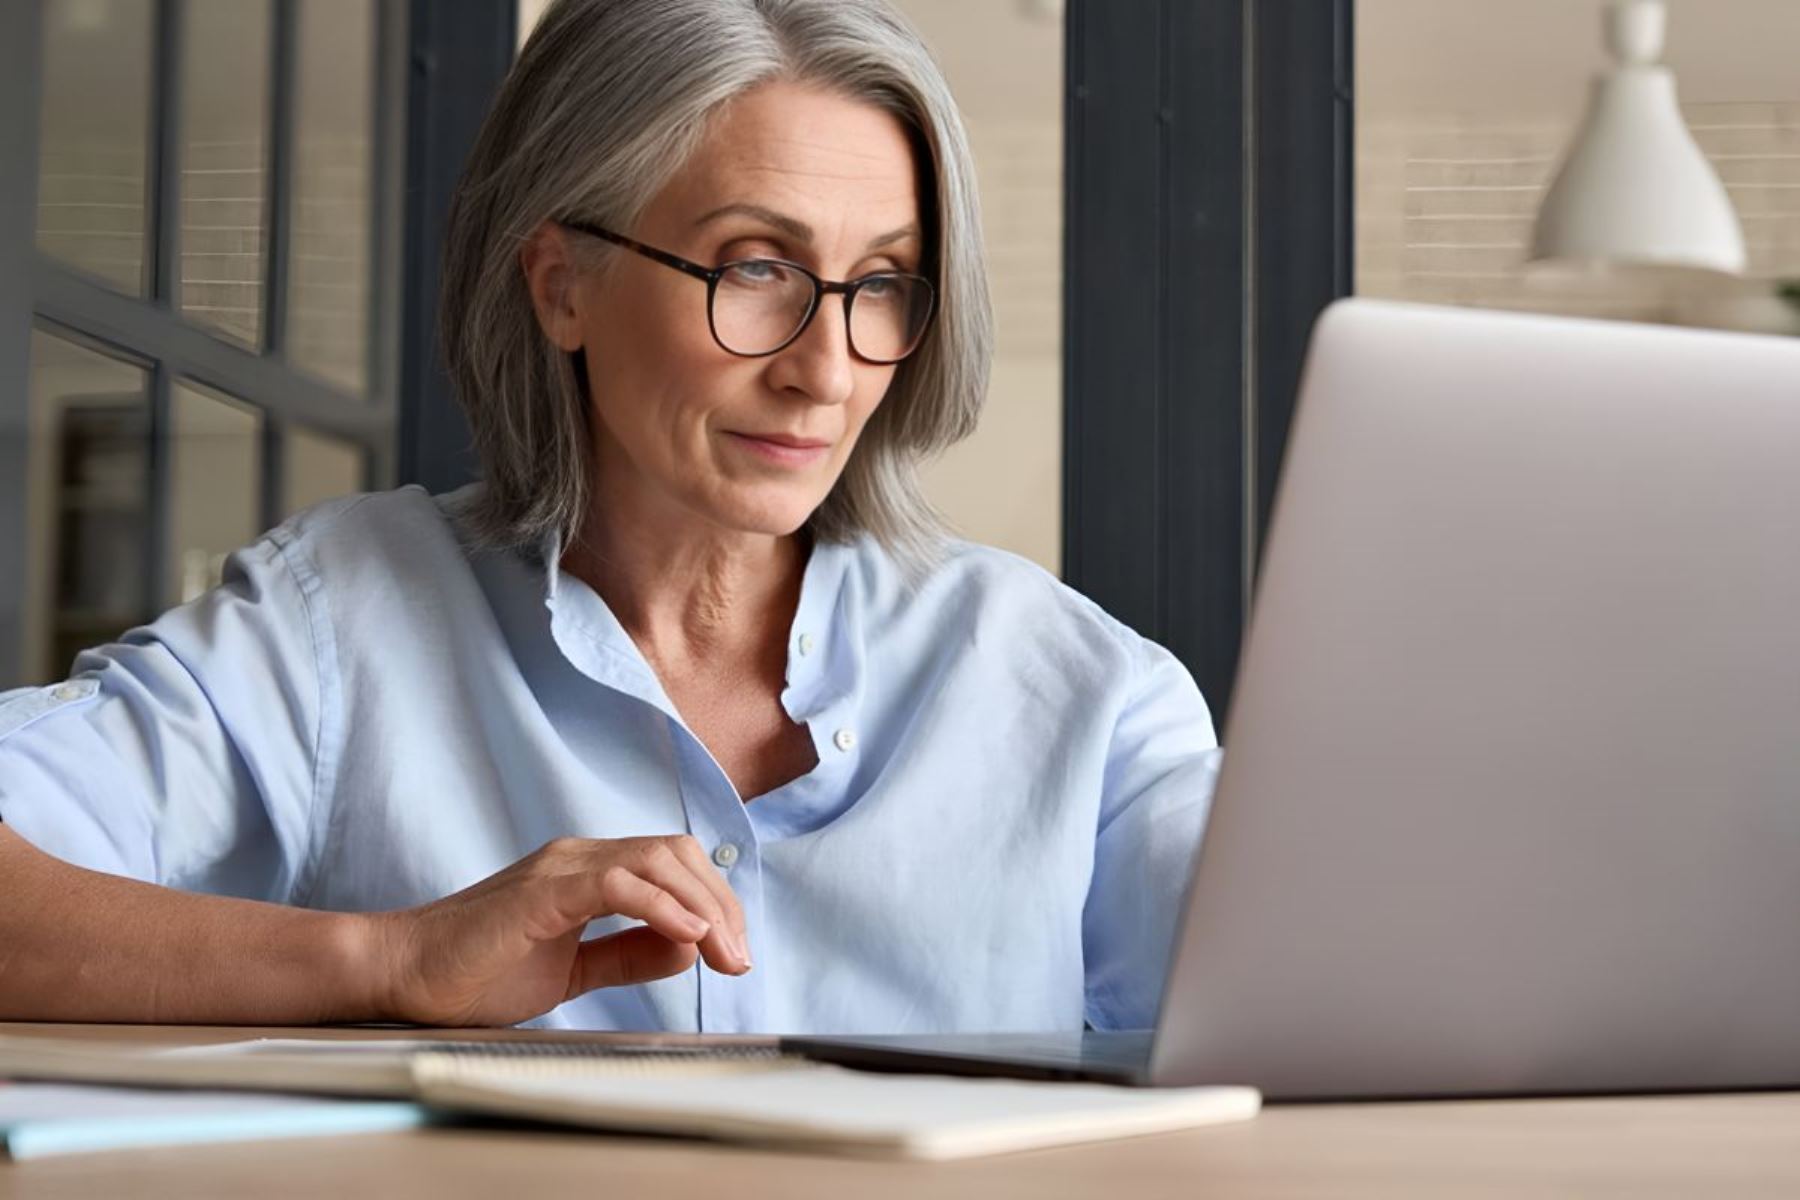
x: 1534, y: 57
x: 1004, y: 61
x: 1465, y: 109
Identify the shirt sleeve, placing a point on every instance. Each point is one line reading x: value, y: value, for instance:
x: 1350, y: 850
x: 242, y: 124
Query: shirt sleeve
x: 1161, y: 767
x: 186, y: 754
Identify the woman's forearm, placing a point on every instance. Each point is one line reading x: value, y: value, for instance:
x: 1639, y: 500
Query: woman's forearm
x: 77, y: 945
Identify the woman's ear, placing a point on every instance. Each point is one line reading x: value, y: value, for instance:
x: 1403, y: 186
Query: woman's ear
x: 551, y: 277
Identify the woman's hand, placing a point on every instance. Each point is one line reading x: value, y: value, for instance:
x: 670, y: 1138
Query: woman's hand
x: 509, y: 948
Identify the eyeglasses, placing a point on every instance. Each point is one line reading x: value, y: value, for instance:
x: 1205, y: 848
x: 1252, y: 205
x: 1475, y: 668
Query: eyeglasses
x: 758, y: 306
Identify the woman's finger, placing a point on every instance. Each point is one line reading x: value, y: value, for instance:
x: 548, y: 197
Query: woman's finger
x: 617, y: 891
x: 657, y: 863
x: 689, y: 852
x: 635, y: 955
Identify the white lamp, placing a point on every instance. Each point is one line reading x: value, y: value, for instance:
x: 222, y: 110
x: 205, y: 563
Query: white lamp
x: 1635, y: 188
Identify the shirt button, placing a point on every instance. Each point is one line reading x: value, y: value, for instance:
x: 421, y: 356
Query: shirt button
x: 67, y: 691
x: 845, y: 740
x: 726, y: 855
x: 806, y: 644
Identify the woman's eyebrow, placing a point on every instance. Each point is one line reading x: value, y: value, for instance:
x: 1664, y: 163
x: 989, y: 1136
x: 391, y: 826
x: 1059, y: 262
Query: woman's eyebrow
x: 798, y: 230
x: 902, y: 234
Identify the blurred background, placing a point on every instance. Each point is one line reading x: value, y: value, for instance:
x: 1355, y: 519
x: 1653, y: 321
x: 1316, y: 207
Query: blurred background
x: 1464, y: 110
x: 191, y: 377
x: 219, y: 220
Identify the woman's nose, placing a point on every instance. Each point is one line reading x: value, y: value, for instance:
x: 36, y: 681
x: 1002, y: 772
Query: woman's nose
x: 818, y: 364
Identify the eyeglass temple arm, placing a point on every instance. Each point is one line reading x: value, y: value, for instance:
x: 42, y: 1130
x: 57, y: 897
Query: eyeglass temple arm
x: 651, y: 252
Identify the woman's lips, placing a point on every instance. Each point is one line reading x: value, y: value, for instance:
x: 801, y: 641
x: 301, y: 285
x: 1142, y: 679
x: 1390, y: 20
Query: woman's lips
x: 782, y: 450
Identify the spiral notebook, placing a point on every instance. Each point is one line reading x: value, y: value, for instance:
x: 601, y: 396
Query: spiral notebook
x: 769, y: 1099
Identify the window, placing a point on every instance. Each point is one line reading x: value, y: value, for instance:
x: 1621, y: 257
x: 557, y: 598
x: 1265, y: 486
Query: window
x: 330, y: 191
x: 94, y: 150
x: 225, y: 94
x: 90, y: 492
x: 212, y: 211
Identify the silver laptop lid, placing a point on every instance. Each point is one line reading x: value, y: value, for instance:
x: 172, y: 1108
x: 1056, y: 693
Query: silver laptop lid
x: 1511, y: 793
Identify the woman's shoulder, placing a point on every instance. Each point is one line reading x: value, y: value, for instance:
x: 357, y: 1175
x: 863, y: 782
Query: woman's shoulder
x: 404, y: 529
x: 989, y: 592
x: 403, y: 511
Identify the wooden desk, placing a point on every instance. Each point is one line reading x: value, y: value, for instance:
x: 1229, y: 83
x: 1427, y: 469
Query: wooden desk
x: 1710, y: 1146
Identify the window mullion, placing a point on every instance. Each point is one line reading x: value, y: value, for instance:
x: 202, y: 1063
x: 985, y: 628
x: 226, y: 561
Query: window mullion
x: 166, y: 149
x: 281, y: 162
x: 159, y: 486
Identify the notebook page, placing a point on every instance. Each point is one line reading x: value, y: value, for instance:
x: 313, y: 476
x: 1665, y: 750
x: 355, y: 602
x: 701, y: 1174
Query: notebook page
x: 802, y: 1104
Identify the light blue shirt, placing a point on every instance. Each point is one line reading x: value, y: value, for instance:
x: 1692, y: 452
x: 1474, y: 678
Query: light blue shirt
x: 371, y: 714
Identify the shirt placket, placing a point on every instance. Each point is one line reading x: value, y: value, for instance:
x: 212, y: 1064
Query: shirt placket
x: 717, y: 820
x: 822, y: 670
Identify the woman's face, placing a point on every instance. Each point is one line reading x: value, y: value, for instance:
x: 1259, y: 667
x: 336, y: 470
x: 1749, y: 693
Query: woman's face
x: 748, y: 444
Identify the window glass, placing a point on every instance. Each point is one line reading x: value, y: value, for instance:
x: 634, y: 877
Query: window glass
x: 316, y: 468
x: 215, y: 487
x: 224, y: 164
x: 332, y: 209
x: 94, y: 137
x: 88, y: 503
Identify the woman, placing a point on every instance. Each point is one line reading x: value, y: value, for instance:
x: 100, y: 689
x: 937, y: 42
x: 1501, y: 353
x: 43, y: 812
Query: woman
x: 692, y: 675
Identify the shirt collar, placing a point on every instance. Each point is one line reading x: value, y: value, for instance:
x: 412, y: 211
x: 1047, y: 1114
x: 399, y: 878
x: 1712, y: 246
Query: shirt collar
x: 825, y: 651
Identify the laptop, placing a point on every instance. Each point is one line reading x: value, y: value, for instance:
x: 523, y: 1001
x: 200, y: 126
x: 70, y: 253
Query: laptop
x: 1511, y: 797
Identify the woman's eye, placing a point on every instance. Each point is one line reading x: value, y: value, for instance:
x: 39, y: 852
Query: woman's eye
x: 761, y: 275
x: 761, y: 270
x: 880, y: 287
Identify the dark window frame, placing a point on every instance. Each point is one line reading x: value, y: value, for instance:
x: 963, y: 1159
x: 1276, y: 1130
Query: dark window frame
x: 21, y: 74
x: 1208, y: 150
x: 460, y: 54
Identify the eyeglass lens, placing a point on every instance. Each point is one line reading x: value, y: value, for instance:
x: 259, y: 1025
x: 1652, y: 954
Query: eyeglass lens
x: 758, y: 307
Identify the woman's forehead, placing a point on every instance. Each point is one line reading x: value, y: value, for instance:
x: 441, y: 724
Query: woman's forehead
x: 823, y: 160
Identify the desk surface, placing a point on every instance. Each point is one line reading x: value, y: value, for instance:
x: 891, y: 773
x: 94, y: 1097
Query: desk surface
x: 1643, y: 1147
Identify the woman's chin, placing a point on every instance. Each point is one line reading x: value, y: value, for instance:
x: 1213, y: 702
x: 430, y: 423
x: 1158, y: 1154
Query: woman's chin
x: 758, y: 511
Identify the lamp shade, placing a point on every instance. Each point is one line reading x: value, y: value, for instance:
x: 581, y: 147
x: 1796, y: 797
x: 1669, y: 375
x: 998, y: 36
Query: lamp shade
x: 1635, y: 188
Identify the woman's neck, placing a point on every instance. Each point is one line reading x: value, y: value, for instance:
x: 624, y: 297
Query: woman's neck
x: 690, y: 593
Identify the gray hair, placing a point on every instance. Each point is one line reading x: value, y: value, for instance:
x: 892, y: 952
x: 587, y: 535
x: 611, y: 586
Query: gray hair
x: 606, y: 101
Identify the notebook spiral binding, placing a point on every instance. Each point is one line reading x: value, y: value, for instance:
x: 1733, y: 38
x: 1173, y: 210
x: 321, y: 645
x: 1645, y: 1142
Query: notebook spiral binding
x: 539, y: 1060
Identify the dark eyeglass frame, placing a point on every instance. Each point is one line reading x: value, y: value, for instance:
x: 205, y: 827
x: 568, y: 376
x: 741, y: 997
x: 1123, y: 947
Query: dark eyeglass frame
x: 821, y: 288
